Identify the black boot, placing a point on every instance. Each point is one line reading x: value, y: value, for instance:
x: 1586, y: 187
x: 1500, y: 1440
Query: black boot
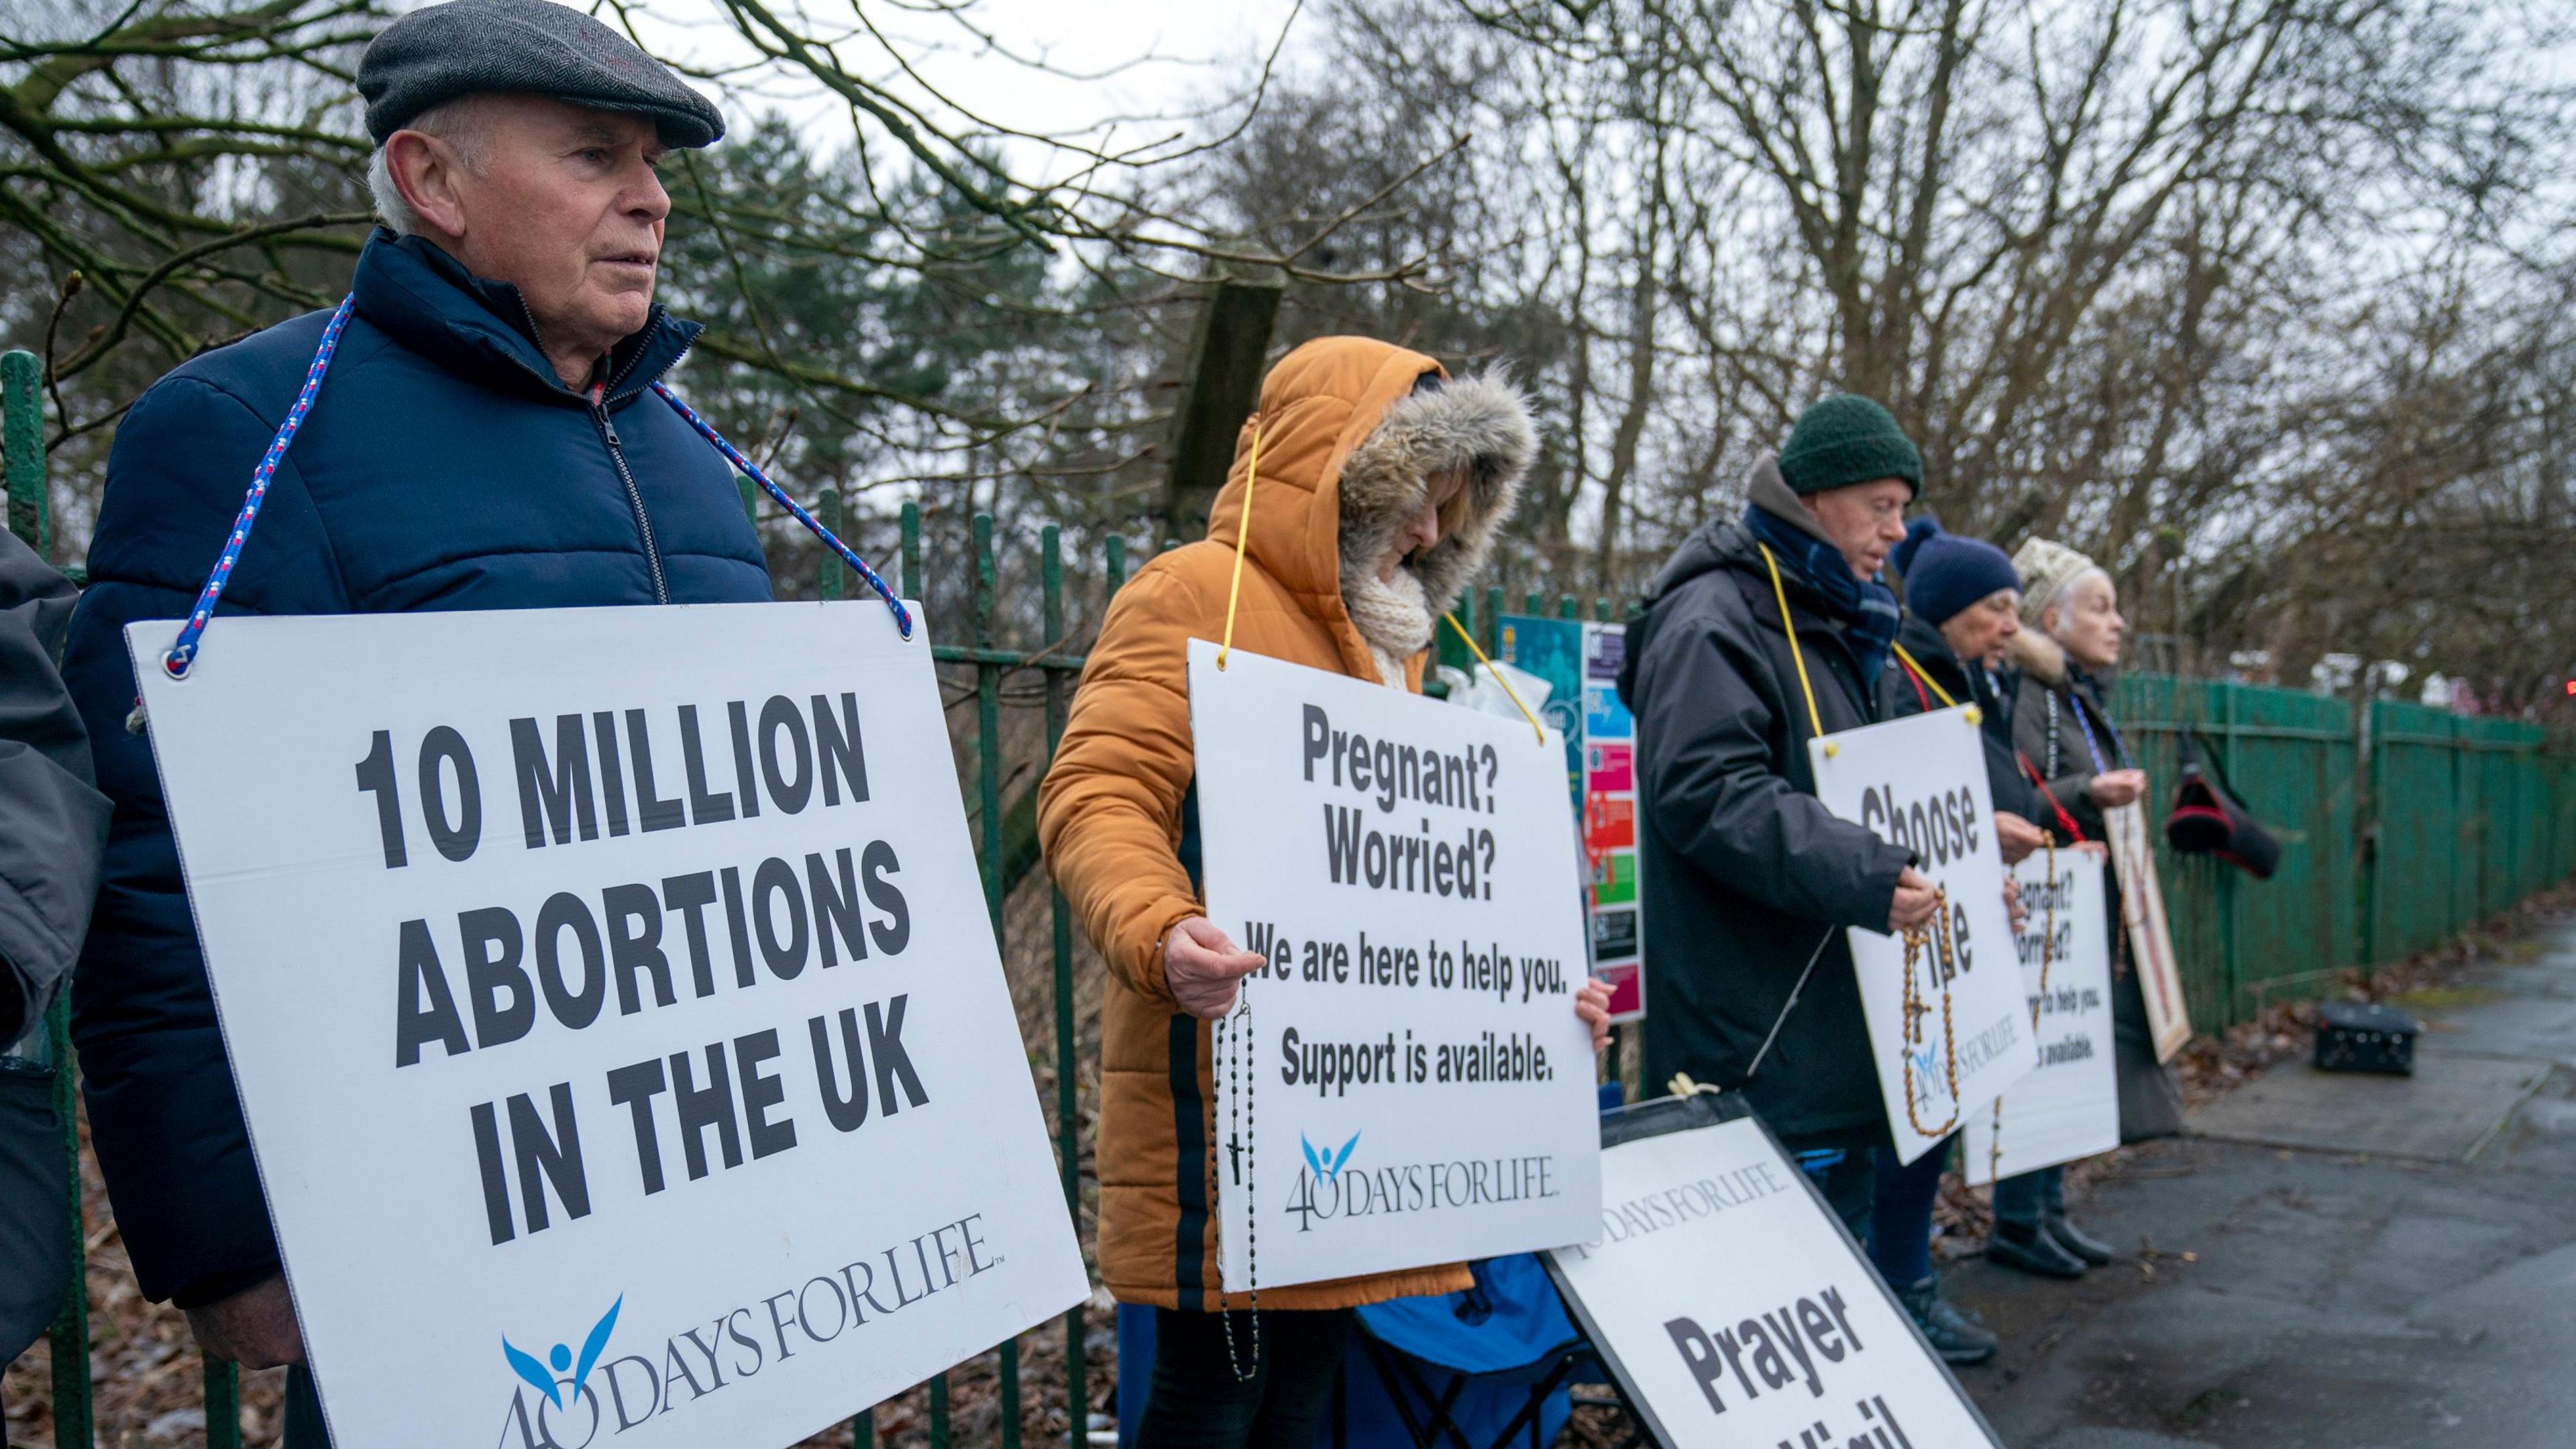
x: 2028, y: 1246
x: 1944, y: 1327
x: 2077, y: 1241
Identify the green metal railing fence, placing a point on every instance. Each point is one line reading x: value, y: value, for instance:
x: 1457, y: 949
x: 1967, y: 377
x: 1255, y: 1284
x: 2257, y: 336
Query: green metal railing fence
x: 2471, y: 816
x: 2291, y: 757
x: 2400, y: 825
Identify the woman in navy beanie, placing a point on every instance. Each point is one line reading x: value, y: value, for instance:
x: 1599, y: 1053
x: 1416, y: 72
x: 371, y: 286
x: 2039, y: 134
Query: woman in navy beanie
x: 1962, y: 601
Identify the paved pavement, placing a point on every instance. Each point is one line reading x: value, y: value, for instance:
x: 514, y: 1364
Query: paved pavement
x: 2404, y: 1275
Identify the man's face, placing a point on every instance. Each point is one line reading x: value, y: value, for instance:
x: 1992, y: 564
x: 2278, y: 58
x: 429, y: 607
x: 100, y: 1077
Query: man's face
x: 563, y: 203
x: 1864, y: 520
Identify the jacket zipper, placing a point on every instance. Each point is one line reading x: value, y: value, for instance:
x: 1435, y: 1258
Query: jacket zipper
x: 598, y: 400
x: 634, y: 499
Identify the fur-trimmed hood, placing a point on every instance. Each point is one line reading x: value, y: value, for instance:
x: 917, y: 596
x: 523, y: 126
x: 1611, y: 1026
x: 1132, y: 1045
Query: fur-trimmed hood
x: 2034, y: 653
x: 2040, y: 657
x: 1478, y: 424
x: 1342, y: 416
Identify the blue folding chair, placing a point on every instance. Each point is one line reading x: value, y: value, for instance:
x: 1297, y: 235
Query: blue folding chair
x: 1484, y: 1368
x: 1489, y: 1366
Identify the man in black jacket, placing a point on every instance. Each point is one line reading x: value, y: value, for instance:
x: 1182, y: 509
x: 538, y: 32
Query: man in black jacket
x: 1749, y: 881
x: 52, y: 827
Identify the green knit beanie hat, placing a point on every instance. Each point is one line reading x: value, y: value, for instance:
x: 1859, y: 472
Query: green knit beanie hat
x: 1848, y: 439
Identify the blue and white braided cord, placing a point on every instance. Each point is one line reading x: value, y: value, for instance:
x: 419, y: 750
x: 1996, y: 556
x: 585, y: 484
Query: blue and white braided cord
x: 751, y: 470
x: 183, y: 652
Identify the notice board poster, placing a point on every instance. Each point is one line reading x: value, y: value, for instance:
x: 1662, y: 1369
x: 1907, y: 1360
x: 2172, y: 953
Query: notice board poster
x: 1405, y: 1083
x: 2069, y: 1106
x: 1580, y: 661
x: 624, y: 1049
x: 1732, y: 1308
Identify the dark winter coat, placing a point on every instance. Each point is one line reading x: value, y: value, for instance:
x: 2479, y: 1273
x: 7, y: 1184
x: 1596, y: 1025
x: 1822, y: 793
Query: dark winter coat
x: 1903, y: 695
x: 2046, y: 731
x: 443, y: 466
x: 53, y: 824
x: 52, y: 827
x: 1745, y: 871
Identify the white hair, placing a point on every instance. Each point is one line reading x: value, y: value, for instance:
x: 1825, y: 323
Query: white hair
x: 461, y: 124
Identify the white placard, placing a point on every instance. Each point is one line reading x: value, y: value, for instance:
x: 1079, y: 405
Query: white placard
x: 2070, y: 1107
x: 2142, y: 911
x: 591, y: 1105
x: 1920, y: 782
x: 1406, y: 1083
x: 1734, y: 1310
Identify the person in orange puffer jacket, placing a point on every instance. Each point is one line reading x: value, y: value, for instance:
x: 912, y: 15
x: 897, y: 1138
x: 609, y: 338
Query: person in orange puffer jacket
x: 1383, y: 484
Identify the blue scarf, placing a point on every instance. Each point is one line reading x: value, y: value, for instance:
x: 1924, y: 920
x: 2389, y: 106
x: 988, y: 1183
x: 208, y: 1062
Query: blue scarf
x: 1866, y: 610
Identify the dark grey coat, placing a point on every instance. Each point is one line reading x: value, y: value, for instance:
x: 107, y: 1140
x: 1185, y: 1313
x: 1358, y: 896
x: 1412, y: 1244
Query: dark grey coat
x: 2047, y: 732
x: 52, y: 827
x: 1745, y: 871
x: 53, y: 823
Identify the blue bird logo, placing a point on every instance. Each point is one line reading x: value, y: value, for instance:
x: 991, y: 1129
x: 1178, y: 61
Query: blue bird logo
x: 526, y: 1366
x: 1327, y: 1165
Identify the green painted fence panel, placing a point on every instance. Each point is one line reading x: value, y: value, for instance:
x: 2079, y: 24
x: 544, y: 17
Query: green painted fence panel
x: 2416, y: 844
x: 2468, y: 817
x: 2291, y: 760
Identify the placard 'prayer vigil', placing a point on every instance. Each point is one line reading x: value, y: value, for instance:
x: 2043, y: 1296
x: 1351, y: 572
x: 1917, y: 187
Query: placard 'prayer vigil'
x: 1731, y: 1307
x: 624, y: 1049
x: 1406, y: 1082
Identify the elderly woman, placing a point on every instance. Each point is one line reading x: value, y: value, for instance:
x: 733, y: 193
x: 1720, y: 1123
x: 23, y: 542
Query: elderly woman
x: 2066, y: 653
x: 1382, y: 486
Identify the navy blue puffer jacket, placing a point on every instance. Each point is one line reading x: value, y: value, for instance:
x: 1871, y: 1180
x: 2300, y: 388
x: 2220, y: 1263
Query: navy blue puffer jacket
x: 443, y: 466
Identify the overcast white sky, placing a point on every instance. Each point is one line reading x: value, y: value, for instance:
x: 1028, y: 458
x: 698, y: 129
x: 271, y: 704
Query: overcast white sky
x: 1118, y: 58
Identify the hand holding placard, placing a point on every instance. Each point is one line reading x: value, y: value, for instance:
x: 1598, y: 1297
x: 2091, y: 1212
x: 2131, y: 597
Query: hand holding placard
x: 1915, y: 900
x: 1203, y: 968
x: 2114, y: 788
x: 1592, y: 1005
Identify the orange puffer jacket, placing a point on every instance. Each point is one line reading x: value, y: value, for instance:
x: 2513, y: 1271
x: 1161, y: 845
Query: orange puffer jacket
x: 1110, y: 811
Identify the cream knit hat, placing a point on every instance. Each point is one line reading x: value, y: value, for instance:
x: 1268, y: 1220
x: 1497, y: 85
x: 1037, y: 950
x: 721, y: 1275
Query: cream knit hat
x: 2047, y: 570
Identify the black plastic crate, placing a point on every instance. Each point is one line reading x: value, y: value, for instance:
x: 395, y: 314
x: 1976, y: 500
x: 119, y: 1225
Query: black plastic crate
x: 2353, y: 1037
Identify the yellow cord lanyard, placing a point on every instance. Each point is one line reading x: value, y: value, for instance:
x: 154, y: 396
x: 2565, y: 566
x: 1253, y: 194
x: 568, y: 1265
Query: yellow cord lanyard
x: 1934, y: 943
x: 1514, y: 695
x: 1921, y: 673
x: 1797, y: 656
x: 1242, y: 536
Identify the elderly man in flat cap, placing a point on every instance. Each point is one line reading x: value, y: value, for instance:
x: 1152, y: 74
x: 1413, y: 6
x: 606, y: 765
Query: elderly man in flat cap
x: 477, y: 444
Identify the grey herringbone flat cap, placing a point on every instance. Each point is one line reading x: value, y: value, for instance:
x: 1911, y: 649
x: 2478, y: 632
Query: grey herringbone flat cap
x: 529, y: 47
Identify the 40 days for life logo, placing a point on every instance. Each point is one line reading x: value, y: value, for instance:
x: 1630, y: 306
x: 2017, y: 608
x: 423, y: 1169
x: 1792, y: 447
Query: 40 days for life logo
x: 1324, y: 1190
x: 566, y: 1406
